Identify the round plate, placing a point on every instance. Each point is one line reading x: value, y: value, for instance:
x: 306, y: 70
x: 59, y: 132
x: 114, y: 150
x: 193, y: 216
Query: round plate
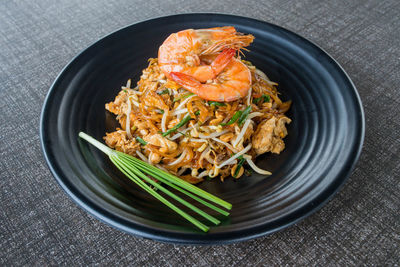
x: 324, y: 141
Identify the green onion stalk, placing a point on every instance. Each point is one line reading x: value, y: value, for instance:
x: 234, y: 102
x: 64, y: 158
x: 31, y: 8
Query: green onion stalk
x: 139, y: 171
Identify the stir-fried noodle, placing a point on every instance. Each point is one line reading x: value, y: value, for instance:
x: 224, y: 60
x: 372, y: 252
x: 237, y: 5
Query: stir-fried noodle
x: 191, y: 137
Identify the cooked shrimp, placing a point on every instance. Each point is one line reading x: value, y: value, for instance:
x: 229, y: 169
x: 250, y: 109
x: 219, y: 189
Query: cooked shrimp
x: 231, y: 84
x: 198, y: 52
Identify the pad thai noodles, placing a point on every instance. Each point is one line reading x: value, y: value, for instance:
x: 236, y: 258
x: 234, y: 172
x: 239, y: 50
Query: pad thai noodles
x: 199, y: 110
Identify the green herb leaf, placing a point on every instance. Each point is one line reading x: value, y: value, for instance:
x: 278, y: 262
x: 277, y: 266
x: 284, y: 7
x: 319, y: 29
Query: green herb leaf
x: 244, y: 115
x: 239, y: 165
x: 256, y: 100
x: 264, y: 98
x: 185, y: 120
x: 234, y: 118
x: 163, y: 92
x: 140, y: 140
x: 217, y: 104
x: 182, y: 97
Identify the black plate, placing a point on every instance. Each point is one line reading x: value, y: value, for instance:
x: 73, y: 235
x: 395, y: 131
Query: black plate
x: 324, y: 141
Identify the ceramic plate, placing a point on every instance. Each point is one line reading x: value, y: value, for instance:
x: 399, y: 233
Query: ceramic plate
x: 324, y: 141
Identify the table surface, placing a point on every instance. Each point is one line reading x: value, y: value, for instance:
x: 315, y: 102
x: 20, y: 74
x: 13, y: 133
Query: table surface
x: 40, y: 224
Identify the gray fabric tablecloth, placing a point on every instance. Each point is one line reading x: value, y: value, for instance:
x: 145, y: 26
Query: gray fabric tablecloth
x: 40, y: 225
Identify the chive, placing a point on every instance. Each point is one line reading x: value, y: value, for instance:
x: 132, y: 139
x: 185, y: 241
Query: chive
x: 185, y: 185
x: 161, y: 111
x: 256, y: 100
x: 197, y: 113
x: 215, y: 103
x: 244, y: 115
x: 161, y: 179
x: 140, y: 140
x: 234, y: 118
x: 137, y: 171
x: 163, y: 92
x: 239, y: 165
x: 185, y: 120
x: 167, y: 192
x: 264, y: 98
x: 125, y: 91
x: 151, y: 191
x: 183, y: 97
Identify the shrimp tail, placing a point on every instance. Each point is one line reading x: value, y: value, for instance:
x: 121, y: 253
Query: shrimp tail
x: 222, y: 60
x: 202, y: 90
x: 191, y: 84
x: 186, y: 81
